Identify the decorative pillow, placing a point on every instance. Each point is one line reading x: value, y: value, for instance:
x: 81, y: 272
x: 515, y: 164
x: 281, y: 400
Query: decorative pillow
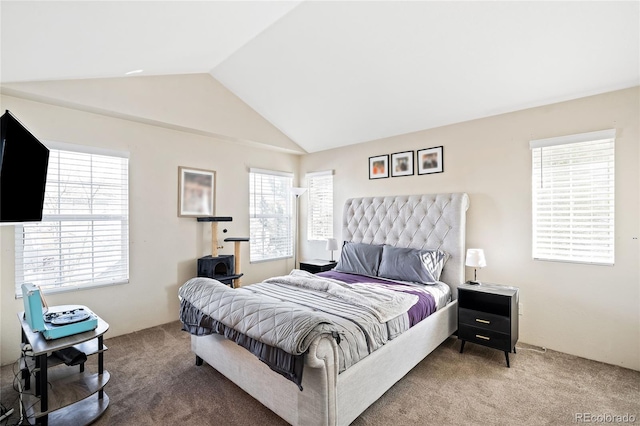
x: 413, y: 265
x: 359, y: 258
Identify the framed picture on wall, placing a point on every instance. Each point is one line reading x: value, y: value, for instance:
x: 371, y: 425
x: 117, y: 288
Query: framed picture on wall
x: 402, y: 164
x: 379, y: 167
x: 196, y: 192
x: 430, y: 160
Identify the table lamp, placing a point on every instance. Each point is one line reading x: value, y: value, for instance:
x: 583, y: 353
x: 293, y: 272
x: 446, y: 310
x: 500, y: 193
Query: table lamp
x: 332, y: 244
x: 475, y: 259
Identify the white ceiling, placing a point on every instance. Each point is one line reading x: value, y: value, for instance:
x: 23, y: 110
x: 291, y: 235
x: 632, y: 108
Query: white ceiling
x: 334, y: 73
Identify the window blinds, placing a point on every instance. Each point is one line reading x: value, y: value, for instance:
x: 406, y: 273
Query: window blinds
x: 83, y: 239
x: 270, y: 215
x: 573, y: 198
x: 320, y: 215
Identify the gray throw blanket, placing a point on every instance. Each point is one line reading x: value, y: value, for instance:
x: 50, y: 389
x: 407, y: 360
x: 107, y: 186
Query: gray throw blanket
x: 384, y: 304
x: 197, y: 323
x: 290, y: 326
x: 281, y: 324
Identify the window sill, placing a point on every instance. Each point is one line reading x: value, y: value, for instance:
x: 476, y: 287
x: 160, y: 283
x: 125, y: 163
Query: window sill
x: 70, y: 288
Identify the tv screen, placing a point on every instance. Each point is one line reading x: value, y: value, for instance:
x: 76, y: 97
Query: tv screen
x: 23, y: 172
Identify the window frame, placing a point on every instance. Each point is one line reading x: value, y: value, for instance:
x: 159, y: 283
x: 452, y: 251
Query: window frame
x: 285, y: 201
x: 579, y: 197
x: 63, y: 269
x: 324, y: 213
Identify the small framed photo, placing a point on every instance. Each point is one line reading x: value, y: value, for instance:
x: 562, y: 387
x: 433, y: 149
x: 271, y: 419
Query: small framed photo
x: 402, y: 164
x: 196, y: 192
x: 379, y: 167
x: 431, y: 160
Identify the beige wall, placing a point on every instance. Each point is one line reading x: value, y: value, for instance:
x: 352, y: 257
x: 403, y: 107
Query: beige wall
x: 163, y: 247
x: 590, y: 311
x: 585, y: 310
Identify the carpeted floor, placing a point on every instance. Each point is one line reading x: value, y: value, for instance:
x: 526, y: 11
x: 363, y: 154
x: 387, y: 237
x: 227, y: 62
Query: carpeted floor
x: 154, y: 381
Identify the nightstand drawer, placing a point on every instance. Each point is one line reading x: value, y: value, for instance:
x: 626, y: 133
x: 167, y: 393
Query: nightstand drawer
x: 485, y: 337
x: 484, y: 320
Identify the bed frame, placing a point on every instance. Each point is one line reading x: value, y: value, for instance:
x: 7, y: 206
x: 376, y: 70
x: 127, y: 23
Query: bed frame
x: 329, y: 398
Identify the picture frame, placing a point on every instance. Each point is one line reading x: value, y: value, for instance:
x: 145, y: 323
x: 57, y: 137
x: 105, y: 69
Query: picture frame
x: 430, y: 160
x: 379, y: 167
x: 196, y: 192
x: 402, y: 164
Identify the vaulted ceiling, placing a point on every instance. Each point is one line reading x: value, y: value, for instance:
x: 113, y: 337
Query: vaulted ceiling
x: 334, y: 73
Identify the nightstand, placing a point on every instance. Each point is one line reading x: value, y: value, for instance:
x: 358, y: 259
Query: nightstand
x: 488, y: 316
x: 316, y: 265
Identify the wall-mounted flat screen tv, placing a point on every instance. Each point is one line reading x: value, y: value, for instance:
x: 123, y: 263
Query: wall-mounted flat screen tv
x: 23, y: 172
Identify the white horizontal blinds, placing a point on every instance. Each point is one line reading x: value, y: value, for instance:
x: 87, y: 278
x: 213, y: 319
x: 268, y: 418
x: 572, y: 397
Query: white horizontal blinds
x: 270, y: 215
x: 320, y: 215
x: 573, y: 198
x: 83, y: 239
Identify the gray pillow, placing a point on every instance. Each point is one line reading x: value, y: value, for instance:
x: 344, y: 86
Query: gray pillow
x: 360, y: 258
x: 413, y: 265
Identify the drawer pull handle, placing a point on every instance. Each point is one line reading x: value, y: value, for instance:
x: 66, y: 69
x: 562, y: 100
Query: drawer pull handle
x: 483, y: 321
x: 482, y: 337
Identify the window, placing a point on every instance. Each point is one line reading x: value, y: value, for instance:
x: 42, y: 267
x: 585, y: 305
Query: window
x: 320, y: 217
x: 573, y: 198
x: 270, y: 215
x: 83, y: 239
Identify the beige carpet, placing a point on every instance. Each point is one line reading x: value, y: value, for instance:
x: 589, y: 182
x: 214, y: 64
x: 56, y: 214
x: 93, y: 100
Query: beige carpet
x: 154, y: 381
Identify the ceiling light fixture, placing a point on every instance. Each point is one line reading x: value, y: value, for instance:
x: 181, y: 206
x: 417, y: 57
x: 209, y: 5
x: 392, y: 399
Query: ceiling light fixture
x: 133, y: 72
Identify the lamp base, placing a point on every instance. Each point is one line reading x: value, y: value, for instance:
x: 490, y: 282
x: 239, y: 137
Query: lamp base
x: 474, y: 283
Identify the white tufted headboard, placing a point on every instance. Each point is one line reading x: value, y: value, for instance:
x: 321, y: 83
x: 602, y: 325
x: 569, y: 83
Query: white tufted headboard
x: 416, y: 221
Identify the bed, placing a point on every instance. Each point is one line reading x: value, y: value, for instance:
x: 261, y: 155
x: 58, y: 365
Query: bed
x: 332, y: 394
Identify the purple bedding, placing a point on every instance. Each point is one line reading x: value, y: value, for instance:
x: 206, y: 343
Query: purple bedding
x: 425, y: 306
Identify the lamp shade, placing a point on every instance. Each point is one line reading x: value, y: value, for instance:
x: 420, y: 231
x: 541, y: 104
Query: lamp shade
x: 298, y: 191
x: 475, y: 258
x: 332, y: 244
